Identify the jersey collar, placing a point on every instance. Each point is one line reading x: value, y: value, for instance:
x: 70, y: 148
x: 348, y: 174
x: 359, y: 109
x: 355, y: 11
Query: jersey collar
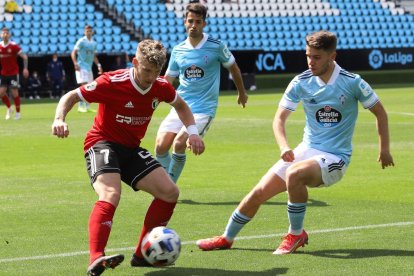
x: 139, y: 89
x: 3, y: 44
x: 200, y: 44
x: 333, y: 78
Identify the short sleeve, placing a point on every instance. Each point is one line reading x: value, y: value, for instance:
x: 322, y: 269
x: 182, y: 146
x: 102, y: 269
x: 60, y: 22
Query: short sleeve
x: 97, y: 91
x: 169, y: 92
x: 291, y: 97
x: 173, y: 69
x: 225, y: 56
x: 365, y: 94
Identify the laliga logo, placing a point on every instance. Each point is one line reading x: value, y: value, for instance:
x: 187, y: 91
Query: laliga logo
x: 375, y: 59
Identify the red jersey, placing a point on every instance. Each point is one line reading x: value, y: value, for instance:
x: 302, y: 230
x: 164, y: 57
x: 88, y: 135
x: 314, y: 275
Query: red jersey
x: 8, y: 58
x: 125, y: 110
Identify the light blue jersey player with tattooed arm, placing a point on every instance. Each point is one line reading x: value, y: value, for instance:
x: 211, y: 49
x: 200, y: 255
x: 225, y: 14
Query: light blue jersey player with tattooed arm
x: 330, y: 97
x: 196, y: 62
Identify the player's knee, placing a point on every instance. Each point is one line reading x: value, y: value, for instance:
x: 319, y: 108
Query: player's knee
x: 295, y: 177
x: 161, y: 148
x: 171, y: 193
x: 112, y: 197
x: 256, y: 197
x: 180, y: 145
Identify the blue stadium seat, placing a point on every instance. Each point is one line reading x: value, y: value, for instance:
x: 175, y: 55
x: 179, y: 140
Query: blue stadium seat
x: 249, y: 44
x: 63, y: 9
x: 107, y: 23
x: 17, y: 33
x: 240, y: 44
x: 99, y: 38
x: 53, y: 39
x: 54, y: 17
x: 62, y: 48
x: 81, y: 9
x: 81, y: 17
x: 245, y: 28
x: 128, y: 16
x: 98, y: 15
x: 43, y: 49
x: 46, y: 9
x: 35, y: 40
x: 107, y: 39
x: 116, y: 47
x: 25, y: 40
x: 232, y: 44
x: 34, y: 48
x: 125, y: 38
x: 44, y: 32
x: 55, y: 9
x: 52, y: 48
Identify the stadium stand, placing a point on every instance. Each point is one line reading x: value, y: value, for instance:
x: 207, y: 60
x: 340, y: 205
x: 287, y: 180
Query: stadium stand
x: 48, y: 26
x: 362, y: 24
x: 408, y: 5
x: 53, y: 26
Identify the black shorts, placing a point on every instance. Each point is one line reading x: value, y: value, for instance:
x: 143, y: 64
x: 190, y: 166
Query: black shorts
x: 10, y: 81
x: 132, y: 164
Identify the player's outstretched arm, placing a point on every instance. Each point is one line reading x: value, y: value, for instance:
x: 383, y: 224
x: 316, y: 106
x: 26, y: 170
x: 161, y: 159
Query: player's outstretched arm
x: 98, y: 64
x: 238, y: 81
x: 73, y: 55
x: 59, y: 126
x: 385, y: 157
x: 194, y: 142
x: 279, y: 130
x: 25, y: 64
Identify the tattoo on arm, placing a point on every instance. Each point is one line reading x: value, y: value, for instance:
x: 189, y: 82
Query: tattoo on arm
x: 66, y: 104
x: 25, y: 60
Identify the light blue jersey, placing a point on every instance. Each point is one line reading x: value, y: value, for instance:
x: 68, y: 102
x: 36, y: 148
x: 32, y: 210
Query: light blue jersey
x: 331, y: 109
x: 198, y: 70
x: 85, y: 53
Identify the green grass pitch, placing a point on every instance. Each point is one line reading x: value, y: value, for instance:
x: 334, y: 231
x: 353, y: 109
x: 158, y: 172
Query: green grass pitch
x: 363, y: 225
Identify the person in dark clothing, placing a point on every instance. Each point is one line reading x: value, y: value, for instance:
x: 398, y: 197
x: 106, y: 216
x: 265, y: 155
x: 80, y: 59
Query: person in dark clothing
x: 55, y: 76
x: 34, y: 86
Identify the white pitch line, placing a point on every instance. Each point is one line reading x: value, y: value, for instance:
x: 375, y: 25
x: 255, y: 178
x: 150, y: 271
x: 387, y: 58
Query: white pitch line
x: 78, y: 253
x: 402, y: 113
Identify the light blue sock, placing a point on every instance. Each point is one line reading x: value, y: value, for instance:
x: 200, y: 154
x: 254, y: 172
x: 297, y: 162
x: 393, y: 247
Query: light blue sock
x: 164, y: 159
x: 296, y: 215
x: 236, y: 222
x: 176, y: 165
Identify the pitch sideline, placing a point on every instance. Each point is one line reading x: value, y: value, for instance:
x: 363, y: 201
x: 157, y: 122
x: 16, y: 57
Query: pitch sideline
x: 78, y: 253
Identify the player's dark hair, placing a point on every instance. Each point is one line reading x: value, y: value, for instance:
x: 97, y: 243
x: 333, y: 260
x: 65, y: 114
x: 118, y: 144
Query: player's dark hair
x: 196, y: 8
x: 88, y: 27
x: 322, y: 40
x: 5, y: 29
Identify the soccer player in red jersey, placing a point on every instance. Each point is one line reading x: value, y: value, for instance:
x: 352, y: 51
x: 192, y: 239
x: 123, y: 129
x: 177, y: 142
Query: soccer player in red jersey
x: 127, y: 99
x: 9, y: 75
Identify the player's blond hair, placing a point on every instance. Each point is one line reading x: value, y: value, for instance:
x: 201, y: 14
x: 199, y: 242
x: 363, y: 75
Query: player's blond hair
x: 322, y: 40
x: 152, y: 51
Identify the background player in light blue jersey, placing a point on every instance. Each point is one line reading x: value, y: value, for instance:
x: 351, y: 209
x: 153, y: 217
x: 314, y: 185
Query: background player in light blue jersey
x: 83, y: 56
x: 330, y: 97
x: 196, y: 62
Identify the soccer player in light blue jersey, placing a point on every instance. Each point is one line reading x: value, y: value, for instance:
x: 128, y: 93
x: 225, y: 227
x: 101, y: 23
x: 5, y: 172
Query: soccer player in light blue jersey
x: 196, y: 62
x: 83, y: 56
x: 330, y: 97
